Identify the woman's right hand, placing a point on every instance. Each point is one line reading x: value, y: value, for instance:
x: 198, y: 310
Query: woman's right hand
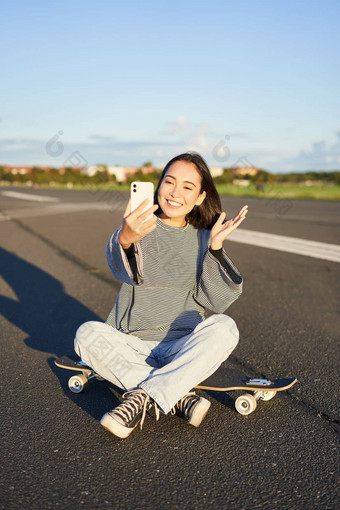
x: 134, y: 225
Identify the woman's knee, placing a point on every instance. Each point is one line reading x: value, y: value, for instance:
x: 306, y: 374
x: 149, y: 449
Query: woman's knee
x: 220, y: 331
x: 226, y: 330
x: 85, y: 330
x: 88, y: 333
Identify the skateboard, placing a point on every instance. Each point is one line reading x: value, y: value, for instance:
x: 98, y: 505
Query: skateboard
x: 224, y: 379
x: 232, y: 379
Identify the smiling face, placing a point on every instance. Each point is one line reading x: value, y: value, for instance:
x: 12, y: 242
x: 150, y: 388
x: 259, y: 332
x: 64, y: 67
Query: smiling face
x: 179, y: 192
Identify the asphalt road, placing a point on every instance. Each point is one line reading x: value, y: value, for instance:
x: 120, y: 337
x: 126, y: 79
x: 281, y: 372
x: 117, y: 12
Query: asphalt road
x: 56, y: 454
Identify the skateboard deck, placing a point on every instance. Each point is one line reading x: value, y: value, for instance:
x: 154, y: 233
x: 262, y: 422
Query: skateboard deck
x: 232, y: 379
x: 228, y: 378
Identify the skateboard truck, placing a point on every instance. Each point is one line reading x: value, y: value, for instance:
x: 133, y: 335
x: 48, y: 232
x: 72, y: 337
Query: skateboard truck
x: 259, y: 382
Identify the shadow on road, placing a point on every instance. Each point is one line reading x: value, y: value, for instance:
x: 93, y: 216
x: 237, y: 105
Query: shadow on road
x: 50, y: 317
x: 43, y: 309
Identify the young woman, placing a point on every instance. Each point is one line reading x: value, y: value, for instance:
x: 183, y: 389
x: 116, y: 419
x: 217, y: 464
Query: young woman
x: 156, y: 343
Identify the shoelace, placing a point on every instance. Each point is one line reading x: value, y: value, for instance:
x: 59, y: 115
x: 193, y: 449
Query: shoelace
x: 185, y: 403
x: 135, y: 399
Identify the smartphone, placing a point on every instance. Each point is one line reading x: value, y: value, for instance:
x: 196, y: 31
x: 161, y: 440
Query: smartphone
x: 139, y: 191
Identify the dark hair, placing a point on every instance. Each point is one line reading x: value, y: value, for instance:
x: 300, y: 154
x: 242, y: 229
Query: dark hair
x: 206, y: 214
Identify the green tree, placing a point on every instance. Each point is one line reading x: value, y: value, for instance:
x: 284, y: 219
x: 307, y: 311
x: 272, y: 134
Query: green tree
x: 138, y: 176
x: 226, y: 178
x: 262, y: 177
x: 101, y: 177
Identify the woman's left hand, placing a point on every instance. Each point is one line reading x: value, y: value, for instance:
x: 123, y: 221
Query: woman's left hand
x: 221, y: 231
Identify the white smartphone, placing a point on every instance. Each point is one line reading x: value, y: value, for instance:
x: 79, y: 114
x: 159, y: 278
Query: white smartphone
x: 139, y: 191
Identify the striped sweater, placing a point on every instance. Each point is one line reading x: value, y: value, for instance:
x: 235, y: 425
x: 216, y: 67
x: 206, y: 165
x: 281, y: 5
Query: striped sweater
x: 168, y: 281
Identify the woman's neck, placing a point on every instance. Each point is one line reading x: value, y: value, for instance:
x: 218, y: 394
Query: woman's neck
x: 173, y: 222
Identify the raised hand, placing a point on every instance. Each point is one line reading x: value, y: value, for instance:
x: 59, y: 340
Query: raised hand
x: 135, y: 225
x: 221, y: 231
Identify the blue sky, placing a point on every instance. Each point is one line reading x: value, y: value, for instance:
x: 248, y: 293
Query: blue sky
x: 128, y: 82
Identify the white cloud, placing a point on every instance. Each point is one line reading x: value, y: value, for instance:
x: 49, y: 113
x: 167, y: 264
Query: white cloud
x: 54, y: 151
x: 321, y: 156
x: 177, y: 126
x: 111, y: 150
x: 103, y: 138
x: 198, y: 140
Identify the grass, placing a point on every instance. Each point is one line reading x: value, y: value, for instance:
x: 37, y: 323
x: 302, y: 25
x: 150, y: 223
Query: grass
x: 283, y: 191
x: 276, y: 191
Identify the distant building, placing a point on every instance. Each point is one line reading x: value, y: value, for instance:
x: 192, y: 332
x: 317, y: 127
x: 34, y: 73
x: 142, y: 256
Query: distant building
x: 241, y: 182
x: 18, y: 169
x: 216, y: 171
x: 122, y: 172
x: 92, y: 170
x: 148, y: 169
x: 241, y: 171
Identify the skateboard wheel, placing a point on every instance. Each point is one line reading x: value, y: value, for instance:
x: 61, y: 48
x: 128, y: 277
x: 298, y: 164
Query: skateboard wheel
x: 77, y: 383
x: 245, y: 404
x: 268, y: 395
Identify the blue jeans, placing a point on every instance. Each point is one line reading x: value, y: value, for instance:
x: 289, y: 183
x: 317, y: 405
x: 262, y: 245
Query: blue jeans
x: 165, y: 370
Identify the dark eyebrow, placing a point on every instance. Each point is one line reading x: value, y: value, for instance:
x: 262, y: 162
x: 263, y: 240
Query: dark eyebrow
x: 189, y: 182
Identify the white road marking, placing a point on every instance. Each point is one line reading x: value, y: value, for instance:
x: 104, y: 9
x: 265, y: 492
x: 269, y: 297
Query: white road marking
x: 27, y: 196
x: 47, y: 210
x: 4, y: 217
x: 315, y: 249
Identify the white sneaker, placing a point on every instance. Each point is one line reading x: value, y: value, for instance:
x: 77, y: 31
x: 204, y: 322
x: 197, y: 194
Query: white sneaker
x: 122, y: 420
x: 192, y: 408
